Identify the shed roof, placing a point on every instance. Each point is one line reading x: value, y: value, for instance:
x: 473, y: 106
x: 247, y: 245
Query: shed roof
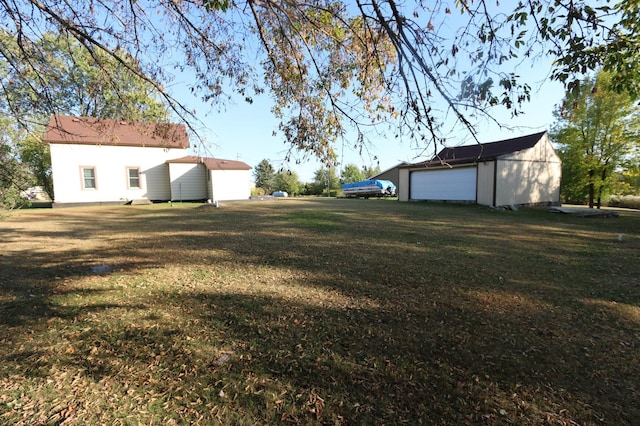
x: 64, y: 129
x: 482, y: 152
x: 212, y: 163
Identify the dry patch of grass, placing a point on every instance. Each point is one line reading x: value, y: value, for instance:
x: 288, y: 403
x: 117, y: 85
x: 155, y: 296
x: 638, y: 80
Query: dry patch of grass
x: 318, y: 311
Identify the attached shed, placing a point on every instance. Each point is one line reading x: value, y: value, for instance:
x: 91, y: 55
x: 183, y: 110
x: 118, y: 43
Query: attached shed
x: 519, y: 171
x: 199, y: 178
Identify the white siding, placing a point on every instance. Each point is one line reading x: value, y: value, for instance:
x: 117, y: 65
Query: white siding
x: 403, y: 185
x: 230, y: 184
x: 209, y: 186
x: 527, y: 182
x: 444, y: 184
x: 531, y: 176
x: 542, y: 151
x: 157, y: 177
x: 110, y: 164
x: 188, y: 182
x: 486, y: 178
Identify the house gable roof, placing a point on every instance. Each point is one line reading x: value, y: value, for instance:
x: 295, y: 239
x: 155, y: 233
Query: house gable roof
x: 469, y: 154
x: 97, y: 131
x: 212, y: 163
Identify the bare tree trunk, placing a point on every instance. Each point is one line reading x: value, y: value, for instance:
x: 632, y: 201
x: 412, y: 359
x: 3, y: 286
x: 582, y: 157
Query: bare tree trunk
x: 591, y: 189
x: 603, y: 177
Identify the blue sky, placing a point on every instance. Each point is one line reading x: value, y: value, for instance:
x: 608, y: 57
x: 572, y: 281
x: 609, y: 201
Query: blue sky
x: 242, y: 131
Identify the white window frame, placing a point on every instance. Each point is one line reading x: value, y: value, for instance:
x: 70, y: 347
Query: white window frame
x: 129, y: 186
x: 83, y: 178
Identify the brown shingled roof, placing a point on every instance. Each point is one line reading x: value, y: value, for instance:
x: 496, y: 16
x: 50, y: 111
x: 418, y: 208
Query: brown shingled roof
x: 212, y: 163
x: 96, y: 131
x: 482, y: 152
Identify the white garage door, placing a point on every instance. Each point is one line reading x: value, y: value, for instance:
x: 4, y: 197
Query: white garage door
x: 449, y: 184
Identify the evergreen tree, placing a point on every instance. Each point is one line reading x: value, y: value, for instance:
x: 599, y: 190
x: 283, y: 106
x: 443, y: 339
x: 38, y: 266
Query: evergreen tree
x: 263, y: 175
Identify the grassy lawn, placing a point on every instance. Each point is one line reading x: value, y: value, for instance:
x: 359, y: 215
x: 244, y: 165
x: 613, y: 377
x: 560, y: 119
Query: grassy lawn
x: 318, y: 311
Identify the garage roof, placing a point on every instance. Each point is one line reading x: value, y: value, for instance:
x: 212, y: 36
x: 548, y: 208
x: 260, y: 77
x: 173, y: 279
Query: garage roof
x: 482, y: 152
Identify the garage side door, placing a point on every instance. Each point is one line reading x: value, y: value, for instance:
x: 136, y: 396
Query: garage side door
x: 452, y: 184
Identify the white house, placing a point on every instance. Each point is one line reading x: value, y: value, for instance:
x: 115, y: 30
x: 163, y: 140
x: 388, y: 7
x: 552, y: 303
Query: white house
x: 98, y: 161
x: 519, y: 171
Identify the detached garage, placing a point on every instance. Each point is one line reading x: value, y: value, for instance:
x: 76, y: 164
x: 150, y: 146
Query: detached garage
x: 518, y: 171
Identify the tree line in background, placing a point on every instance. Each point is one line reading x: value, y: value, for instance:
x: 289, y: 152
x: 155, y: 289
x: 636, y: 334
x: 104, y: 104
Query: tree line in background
x: 326, y: 181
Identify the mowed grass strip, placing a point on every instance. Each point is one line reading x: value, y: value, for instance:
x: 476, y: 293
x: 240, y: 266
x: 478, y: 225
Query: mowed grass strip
x: 318, y: 312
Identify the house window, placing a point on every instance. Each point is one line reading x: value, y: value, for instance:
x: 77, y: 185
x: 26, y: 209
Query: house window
x: 88, y: 178
x: 133, y: 177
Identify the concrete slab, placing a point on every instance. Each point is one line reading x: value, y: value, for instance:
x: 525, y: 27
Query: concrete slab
x: 140, y: 201
x: 583, y: 211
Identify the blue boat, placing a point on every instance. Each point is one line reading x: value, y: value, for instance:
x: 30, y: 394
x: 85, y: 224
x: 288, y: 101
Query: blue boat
x: 369, y: 188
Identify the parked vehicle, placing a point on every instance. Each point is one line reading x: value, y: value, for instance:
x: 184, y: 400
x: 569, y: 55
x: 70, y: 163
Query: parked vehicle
x: 369, y: 188
x: 280, y: 194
